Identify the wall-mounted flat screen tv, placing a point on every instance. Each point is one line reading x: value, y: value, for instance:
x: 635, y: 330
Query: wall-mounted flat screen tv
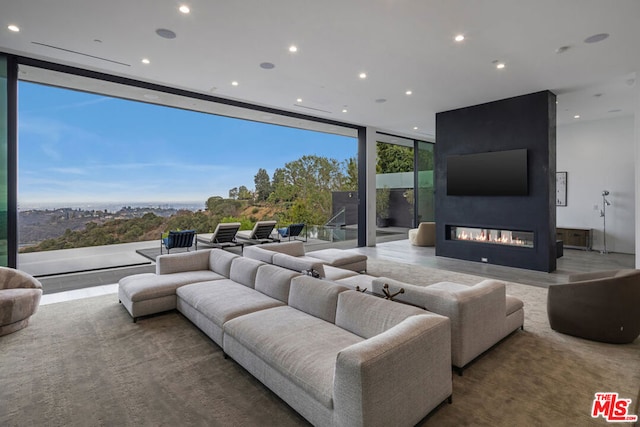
x: 497, y: 173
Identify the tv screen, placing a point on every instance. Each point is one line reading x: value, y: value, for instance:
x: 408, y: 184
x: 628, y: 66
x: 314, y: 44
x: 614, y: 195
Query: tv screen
x: 498, y: 173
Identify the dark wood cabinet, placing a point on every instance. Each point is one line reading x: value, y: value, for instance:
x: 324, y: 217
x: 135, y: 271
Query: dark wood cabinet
x: 580, y: 238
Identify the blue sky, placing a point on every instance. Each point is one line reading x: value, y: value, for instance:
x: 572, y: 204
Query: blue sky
x: 77, y: 148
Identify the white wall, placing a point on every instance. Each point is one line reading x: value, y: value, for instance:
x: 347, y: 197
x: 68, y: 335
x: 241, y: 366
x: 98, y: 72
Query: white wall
x: 599, y: 155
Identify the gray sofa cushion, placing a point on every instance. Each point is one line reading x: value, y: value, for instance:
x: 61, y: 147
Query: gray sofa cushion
x: 220, y: 261
x: 335, y: 273
x: 367, y: 316
x: 338, y: 257
x: 298, y: 264
x: 259, y: 253
x: 293, y: 248
x: 281, y: 337
x: 315, y: 296
x: 244, y: 270
x: 182, y: 262
x: 223, y: 300
x: 274, y: 282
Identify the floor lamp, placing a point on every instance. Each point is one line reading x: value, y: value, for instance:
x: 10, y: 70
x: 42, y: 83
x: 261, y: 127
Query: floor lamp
x: 603, y: 214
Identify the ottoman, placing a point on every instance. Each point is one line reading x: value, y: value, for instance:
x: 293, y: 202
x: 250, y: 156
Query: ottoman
x: 341, y: 259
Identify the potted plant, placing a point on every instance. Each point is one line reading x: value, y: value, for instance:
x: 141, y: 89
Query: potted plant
x: 382, y: 206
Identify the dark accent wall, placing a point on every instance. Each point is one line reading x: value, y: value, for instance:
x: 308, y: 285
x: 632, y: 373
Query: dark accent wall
x: 400, y: 211
x: 529, y: 122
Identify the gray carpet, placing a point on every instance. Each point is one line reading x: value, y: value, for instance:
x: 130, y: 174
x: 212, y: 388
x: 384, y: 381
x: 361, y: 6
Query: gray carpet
x: 84, y: 363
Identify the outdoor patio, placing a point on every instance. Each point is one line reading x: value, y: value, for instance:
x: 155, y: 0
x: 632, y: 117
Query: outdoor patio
x: 70, y: 269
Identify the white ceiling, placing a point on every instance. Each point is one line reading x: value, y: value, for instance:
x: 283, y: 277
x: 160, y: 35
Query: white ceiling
x: 401, y: 45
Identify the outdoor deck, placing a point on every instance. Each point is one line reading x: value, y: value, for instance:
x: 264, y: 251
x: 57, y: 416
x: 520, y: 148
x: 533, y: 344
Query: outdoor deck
x: 70, y: 269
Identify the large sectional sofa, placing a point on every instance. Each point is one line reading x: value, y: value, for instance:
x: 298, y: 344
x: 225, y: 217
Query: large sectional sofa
x: 337, y: 356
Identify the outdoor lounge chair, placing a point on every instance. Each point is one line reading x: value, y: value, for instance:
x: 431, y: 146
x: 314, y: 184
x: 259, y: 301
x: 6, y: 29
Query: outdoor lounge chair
x: 223, y: 237
x: 261, y: 233
x: 293, y: 231
x: 178, y: 239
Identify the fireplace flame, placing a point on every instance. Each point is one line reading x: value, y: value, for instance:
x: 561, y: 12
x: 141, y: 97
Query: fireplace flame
x: 503, y: 237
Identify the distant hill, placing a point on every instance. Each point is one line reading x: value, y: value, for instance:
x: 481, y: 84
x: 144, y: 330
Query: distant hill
x: 68, y: 228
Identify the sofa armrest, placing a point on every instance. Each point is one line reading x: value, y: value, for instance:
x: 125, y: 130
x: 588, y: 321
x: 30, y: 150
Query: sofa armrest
x: 185, y: 261
x: 396, y: 377
x: 477, y: 312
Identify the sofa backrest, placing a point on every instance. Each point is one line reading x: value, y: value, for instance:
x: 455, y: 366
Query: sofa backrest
x: 220, y: 261
x: 367, y: 315
x: 316, y: 297
x: 259, y: 253
x: 275, y: 281
x: 244, y: 271
x: 181, y: 262
x: 293, y: 248
x: 298, y: 264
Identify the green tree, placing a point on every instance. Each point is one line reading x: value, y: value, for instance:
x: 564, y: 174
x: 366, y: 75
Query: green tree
x: 263, y: 185
x: 233, y: 193
x: 351, y: 179
x: 394, y: 158
x: 244, y: 193
x: 306, y: 184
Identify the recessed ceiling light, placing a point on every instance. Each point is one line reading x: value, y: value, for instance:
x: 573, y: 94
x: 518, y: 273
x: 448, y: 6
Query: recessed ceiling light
x: 415, y: 128
x: 165, y: 34
x: 363, y: 75
x: 13, y: 28
x: 577, y: 116
x: 459, y: 38
x: 500, y: 65
x: 184, y: 9
x: 299, y: 100
x: 408, y: 92
x: 234, y: 83
x: 293, y: 48
x: 344, y: 110
x: 145, y: 61
x: 596, y: 38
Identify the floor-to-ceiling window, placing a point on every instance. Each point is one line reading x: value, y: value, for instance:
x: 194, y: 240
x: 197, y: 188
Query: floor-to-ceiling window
x: 4, y: 160
x: 404, y: 183
x: 91, y: 157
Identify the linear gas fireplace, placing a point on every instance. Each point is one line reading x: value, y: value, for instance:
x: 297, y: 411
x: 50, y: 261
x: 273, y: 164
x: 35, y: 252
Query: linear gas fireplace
x: 523, y: 239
